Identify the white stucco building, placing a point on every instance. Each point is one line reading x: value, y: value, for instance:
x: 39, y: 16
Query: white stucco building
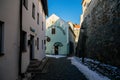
x: 76, y: 30
x: 22, y: 35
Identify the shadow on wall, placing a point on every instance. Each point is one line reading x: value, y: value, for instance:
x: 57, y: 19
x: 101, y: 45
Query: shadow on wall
x: 103, y: 42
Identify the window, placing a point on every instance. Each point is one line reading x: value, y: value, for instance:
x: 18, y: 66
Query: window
x: 1, y: 37
x: 48, y: 39
x: 42, y: 25
x: 53, y: 30
x: 44, y: 41
x: 33, y: 11
x: 25, y: 3
x: 37, y: 18
x: 85, y: 4
x: 42, y: 44
x: 37, y: 43
x: 24, y: 41
x: 52, y: 22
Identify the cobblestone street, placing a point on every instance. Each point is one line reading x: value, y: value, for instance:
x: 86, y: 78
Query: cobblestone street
x: 60, y: 69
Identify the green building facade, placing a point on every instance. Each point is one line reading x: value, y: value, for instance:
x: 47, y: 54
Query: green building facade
x: 57, y: 34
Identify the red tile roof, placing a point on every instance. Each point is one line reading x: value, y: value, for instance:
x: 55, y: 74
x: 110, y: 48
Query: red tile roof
x: 76, y: 26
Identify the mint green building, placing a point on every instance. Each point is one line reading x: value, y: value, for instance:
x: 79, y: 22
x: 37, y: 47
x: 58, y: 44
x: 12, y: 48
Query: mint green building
x: 57, y: 34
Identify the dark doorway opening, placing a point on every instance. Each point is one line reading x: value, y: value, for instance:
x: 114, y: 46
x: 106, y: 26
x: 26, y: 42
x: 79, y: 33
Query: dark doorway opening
x: 71, y: 48
x: 56, y: 50
x: 31, y: 47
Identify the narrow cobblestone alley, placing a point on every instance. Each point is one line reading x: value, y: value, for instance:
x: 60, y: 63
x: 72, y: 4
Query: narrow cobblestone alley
x: 60, y: 69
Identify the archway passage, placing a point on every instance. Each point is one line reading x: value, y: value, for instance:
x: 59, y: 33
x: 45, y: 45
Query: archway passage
x: 56, y: 47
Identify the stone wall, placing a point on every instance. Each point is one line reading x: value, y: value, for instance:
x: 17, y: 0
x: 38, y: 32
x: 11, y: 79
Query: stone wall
x: 102, y: 26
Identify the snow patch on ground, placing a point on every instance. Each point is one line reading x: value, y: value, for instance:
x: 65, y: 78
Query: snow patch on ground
x: 91, y: 75
x: 105, y: 65
x: 55, y: 56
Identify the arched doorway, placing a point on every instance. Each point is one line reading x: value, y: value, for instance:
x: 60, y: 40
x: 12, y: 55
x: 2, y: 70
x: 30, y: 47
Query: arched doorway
x: 56, y: 47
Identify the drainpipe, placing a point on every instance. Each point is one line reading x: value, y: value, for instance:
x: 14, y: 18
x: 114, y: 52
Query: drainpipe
x: 20, y: 48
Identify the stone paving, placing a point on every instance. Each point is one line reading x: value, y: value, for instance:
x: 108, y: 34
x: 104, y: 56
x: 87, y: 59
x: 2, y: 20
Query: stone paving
x: 60, y: 69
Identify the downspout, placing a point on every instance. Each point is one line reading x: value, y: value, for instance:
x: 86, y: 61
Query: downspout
x: 20, y: 48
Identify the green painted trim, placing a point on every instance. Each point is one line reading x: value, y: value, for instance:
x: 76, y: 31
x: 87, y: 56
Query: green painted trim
x: 58, y: 44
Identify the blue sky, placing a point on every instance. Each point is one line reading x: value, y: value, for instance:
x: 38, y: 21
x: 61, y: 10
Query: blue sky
x: 68, y: 10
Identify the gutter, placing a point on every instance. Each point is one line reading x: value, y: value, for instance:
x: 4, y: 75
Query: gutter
x: 20, y: 50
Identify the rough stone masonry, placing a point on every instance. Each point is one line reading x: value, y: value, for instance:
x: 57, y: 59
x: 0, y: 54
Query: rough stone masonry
x: 103, y: 32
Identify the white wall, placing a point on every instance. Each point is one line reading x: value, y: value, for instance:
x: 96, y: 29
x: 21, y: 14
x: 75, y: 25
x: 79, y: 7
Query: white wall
x: 51, y: 20
x: 28, y: 22
x: 9, y: 14
x: 87, y: 9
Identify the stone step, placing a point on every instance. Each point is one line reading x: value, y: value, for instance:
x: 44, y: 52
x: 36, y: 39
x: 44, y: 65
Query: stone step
x: 45, y: 70
x: 35, y: 64
x: 43, y: 64
x: 34, y: 70
x: 37, y: 67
